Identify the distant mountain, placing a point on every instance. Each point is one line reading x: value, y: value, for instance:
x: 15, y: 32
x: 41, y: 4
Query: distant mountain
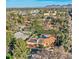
x: 59, y: 6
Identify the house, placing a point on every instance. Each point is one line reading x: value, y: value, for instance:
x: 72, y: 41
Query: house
x: 43, y: 41
x: 48, y: 41
x: 20, y: 35
x: 14, y: 12
x: 23, y: 13
x: 55, y: 12
x: 34, y: 12
x: 32, y: 43
x: 46, y: 14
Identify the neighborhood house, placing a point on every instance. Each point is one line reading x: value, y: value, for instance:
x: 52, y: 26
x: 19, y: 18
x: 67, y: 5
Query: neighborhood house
x: 44, y: 40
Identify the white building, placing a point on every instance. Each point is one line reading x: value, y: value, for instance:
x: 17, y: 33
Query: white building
x: 35, y: 11
x: 46, y: 14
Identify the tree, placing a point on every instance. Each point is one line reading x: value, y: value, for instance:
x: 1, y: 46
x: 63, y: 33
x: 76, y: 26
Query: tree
x: 21, y: 51
x: 37, y: 25
x: 9, y: 45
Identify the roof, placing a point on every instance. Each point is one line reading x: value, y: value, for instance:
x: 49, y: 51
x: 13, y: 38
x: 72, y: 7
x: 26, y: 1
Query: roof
x: 33, y: 40
x: 20, y: 35
x: 46, y: 41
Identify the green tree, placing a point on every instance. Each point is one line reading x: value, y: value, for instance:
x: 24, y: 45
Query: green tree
x: 37, y: 25
x: 9, y: 45
x: 21, y: 51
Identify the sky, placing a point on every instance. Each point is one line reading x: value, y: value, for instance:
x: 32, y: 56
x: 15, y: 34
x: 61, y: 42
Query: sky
x: 35, y: 3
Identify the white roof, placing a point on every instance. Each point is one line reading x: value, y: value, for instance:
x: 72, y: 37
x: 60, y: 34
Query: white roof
x: 20, y: 35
